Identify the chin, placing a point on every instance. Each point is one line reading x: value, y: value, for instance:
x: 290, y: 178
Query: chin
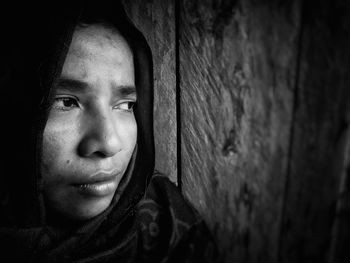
x: 87, y: 209
x: 78, y: 208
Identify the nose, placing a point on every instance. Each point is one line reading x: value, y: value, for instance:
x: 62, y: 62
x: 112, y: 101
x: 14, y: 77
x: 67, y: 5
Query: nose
x: 101, y: 137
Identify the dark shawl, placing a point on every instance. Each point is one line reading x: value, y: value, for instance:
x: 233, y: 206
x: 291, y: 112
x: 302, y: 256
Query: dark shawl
x: 148, y: 219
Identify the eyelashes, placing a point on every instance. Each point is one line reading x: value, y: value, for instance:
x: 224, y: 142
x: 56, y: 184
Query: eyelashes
x: 68, y: 103
x: 65, y: 103
x: 125, y: 106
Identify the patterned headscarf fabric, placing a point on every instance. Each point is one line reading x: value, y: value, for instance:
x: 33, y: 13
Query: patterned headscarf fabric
x: 148, y: 219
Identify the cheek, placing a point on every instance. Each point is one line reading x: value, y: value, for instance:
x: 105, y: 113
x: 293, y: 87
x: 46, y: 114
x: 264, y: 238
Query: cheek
x: 128, y: 134
x: 57, y: 143
x: 126, y: 129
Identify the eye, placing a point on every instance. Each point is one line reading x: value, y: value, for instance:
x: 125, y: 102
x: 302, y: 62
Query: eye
x: 65, y: 103
x: 125, y: 106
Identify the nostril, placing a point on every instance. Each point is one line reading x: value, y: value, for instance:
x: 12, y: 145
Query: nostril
x: 104, y: 154
x: 99, y: 146
x: 99, y: 154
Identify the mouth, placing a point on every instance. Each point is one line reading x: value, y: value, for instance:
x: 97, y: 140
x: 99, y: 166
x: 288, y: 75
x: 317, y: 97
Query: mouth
x: 98, y: 185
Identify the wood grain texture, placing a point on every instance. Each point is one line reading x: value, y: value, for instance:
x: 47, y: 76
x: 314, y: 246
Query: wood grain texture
x: 340, y: 235
x: 237, y: 73
x: 321, y: 119
x: 156, y: 20
x: 265, y: 120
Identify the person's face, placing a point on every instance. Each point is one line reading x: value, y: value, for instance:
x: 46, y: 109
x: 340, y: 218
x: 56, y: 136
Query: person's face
x: 91, y: 130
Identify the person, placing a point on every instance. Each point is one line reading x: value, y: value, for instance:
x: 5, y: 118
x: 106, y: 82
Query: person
x: 78, y: 180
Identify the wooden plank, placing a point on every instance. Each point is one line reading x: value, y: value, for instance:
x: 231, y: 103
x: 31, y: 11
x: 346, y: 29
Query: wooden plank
x: 320, y: 117
x: 340, y: 240
x: 156, y: 20
x: 237, y: 77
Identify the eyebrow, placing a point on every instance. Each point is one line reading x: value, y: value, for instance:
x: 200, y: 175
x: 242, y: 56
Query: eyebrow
x: 124, y: 90
x: 75, y: 85
x: 71, y: 84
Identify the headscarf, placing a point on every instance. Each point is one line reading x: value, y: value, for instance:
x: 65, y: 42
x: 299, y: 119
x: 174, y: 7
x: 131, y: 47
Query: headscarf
x: 148, y: 220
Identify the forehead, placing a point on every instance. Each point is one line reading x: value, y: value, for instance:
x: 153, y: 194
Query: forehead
x: 97, y: 51
x: 88, y: 38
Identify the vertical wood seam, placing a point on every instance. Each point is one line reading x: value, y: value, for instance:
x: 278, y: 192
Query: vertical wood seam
x: 178, y: 92
x: 340, y: 192
x: 292, y: 127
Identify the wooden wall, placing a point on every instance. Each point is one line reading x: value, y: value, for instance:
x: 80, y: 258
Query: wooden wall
x: 156, y: 20
x: 252, y: 114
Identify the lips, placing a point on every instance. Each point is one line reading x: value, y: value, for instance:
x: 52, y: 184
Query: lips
x: 98, y: 185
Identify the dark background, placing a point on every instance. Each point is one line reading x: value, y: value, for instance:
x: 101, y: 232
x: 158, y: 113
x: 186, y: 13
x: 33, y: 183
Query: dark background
x: 252, y: 113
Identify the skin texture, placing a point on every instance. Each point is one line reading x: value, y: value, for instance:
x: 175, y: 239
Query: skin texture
x: 91, y: 131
